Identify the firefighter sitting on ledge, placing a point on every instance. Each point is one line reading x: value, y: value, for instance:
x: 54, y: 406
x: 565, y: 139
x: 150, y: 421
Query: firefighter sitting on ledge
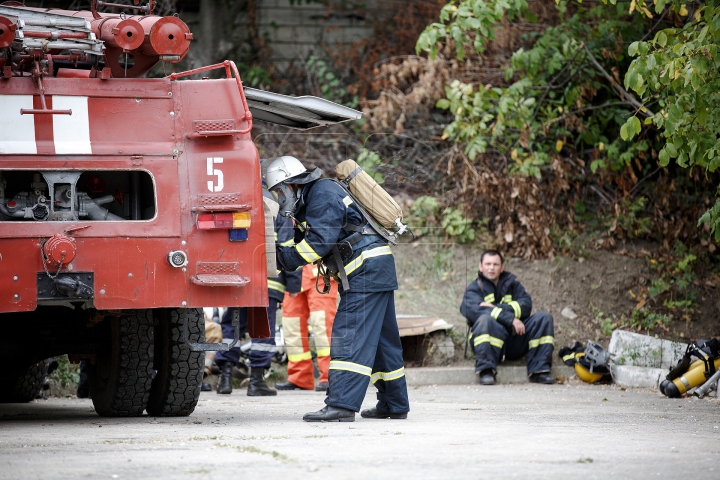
x: 497, y: 308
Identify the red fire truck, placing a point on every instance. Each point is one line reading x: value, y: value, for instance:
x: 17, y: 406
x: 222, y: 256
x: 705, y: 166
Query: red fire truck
x: 127, y: 204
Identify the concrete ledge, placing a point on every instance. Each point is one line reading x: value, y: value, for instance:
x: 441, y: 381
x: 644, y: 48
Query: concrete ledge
x: 625, y: 376
x: 466, y: 375
x: 641, y: 377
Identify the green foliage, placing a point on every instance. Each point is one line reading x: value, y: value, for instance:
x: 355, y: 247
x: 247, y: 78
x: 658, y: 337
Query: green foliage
x: 368, y: 160
x: 606, y: 323
x: 553, y: 102
x: 646, y: 319
x: 678, y: 69
x: 457, y: 226
x: 606, y: 326
x: 631, y: 219
x: 67, y: 374
x: 424, y: 214
x: 678, y: 275
x: 468, y: 21
x: 256, y: 77
x: 329, y: 83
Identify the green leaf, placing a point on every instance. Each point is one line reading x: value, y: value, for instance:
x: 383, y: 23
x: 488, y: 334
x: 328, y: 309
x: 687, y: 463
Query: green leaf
x: 661, y: 39
x: 633, y: 48
x: 671, y: 150
x: 660, y: 6
x: 638, y: 82
x: 651, y: 62
x: 663, y: 158
x: 637, y: 126
x: 624, y: 132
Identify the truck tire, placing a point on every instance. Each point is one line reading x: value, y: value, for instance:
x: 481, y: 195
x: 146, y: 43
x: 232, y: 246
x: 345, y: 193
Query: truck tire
x: 25, y: 387
x: 122, y: 374
x: 176, y: 388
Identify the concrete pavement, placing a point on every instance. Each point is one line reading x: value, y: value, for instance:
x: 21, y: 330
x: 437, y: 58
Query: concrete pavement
x: 459, y: 431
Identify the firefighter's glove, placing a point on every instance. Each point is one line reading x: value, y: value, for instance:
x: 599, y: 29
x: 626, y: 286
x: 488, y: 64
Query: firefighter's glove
x: 280, y: 259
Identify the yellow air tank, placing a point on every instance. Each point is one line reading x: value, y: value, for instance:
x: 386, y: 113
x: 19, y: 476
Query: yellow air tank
x: 694, y: 377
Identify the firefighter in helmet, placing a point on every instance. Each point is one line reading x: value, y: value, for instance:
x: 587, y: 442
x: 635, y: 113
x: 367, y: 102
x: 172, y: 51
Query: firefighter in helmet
x: 261, y: 350
x: 365, y: 338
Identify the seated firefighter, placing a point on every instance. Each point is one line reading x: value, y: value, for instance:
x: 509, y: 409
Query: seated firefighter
x: 497, y: 308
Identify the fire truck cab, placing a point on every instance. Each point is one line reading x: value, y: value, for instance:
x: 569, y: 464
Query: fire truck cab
x: 127, y: 204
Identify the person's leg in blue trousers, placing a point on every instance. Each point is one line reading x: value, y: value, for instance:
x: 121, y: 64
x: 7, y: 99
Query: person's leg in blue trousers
x: 365, y: 337
x: 262, y: 349
x: 232, y: 355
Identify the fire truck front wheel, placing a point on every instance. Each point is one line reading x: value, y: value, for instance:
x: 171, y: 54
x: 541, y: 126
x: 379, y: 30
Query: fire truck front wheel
x: 122, y: 374
x: 24, y: 387
x: 176, y: 387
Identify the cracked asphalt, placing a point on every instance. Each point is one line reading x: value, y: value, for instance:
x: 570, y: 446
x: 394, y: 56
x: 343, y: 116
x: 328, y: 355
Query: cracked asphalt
x: 468, y: 431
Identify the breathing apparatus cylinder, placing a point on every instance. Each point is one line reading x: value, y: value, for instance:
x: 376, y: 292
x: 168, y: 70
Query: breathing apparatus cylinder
x: 693, y: 377
x: 373, y: 197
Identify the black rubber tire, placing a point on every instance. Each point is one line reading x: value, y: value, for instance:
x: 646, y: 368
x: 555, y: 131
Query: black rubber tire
x: 121, y: 376
x: 176, y: 388
x: 25, y: 387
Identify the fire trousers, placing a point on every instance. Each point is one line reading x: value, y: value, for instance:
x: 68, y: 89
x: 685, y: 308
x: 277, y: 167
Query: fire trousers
x: 261, y: 350
x: 490, y: 339
x: 318, y: 310
x: 366, y: 348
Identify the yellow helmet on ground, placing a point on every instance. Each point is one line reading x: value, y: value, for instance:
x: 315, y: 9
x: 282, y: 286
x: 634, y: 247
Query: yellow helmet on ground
x: 591, y: 363
x: 584, y: 371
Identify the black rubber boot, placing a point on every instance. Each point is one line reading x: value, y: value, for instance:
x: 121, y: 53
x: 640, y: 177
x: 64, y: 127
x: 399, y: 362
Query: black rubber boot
x: 257, y: 386
x: 330, y: 414
x: 225, y: 379
x: 83, y: 388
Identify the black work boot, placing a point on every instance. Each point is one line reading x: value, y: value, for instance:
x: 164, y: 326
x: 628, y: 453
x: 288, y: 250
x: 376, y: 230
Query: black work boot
x: 225, y: 379
x: 330, y: 414
x: 288, y: 386
x: 375, y: 413
x: 486, y: 377
x: 542, y: 377
x: 257, y: 386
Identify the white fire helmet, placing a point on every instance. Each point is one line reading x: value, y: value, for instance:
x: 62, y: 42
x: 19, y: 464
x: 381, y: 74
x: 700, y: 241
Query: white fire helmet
x: 282, y: 169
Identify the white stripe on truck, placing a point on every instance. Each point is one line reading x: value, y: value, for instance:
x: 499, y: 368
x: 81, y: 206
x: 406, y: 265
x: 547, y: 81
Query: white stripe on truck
x: 71, y: 132
x: 17, y: 132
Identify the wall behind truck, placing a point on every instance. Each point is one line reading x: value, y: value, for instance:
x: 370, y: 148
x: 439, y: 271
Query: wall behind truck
x: 292, y: 31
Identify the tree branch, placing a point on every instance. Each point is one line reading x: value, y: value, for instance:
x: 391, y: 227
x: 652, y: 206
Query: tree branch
x: 587, y: 109
x: 624, y: 94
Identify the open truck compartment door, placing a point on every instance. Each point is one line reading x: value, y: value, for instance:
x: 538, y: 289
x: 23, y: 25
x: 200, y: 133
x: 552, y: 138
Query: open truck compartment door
x: 297, y: 112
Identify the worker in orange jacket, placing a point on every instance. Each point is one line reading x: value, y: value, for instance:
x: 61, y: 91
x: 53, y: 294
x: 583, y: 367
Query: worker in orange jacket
x: 299, y: 309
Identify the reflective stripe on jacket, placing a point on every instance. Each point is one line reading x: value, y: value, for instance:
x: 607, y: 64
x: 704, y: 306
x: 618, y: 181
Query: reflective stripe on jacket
x: 325, y: 208
x: 509, y: 298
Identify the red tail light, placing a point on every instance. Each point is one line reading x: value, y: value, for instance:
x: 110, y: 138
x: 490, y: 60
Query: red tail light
x: 225, y: 221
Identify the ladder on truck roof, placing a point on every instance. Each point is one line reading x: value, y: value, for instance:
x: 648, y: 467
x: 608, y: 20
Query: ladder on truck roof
x: 51, y: 31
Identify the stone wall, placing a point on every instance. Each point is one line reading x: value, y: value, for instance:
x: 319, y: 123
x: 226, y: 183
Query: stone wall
x: 294, y: 31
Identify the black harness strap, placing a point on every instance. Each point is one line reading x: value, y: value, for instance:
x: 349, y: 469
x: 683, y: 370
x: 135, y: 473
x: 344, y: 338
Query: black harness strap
x: 352, y: 175
x: 341, y: 268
